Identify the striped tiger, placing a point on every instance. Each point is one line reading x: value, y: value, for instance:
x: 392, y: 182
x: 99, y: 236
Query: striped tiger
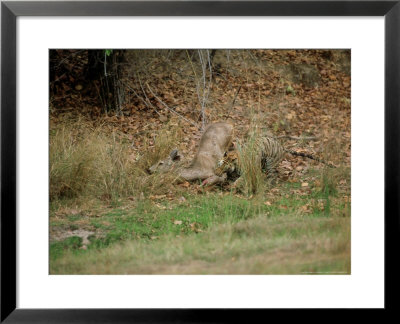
x: 269, y: 150
x: 229, y: 165
x: 271, y: 153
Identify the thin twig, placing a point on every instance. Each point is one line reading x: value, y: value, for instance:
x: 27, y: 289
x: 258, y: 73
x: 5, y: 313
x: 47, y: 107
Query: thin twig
x: 306, y: 138
x: 170, y: 109
x: 139, y: 97
x: 234, y: 100
x: 147, y: 99
x: 206, y: 88
x: 195, y: 75
x: 67, y: 58
x: 210, y: 81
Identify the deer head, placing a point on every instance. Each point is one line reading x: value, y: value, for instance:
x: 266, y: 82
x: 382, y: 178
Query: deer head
x: 166, y: 164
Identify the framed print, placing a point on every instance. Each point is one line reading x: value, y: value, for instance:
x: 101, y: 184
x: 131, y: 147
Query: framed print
x: 160, y: 158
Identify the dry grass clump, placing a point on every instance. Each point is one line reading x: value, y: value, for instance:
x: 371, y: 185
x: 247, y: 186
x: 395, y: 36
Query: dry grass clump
x: 71, y: 161
x: 253, y: 179
x: 94, y: 161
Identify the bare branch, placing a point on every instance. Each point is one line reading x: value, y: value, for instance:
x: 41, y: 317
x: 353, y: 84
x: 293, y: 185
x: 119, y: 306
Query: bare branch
x: 206, y: 88
x: 148, y: 104
x: 305, y: 138
x: 234, y: 100
x: 170, y: 109
x: 147, y: 99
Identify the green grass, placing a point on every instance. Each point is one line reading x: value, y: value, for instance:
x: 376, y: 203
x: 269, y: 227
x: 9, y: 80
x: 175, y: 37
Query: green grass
x: 264, y: 245
x: 70, y: 244
x: 151, y: 220
x: 206, y: 232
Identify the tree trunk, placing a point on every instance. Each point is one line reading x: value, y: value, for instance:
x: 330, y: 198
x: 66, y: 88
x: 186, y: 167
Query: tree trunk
x: 104, y: 72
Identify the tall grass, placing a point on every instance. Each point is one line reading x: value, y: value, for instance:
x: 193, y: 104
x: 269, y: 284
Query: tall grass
x: 253, y: 179
x: 71, y: 162
x: 96, y: 162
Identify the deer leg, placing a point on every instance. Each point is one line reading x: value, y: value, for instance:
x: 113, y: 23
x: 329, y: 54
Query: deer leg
x: 238, y: 182
x: 214, y: 179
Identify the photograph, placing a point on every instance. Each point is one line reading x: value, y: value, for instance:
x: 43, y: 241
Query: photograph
x: 195, y: 161
x: 199, y: 161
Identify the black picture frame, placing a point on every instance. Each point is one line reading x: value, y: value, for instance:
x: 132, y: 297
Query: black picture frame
x: 9, y: 13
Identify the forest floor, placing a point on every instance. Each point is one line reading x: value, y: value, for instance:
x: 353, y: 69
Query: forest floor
x: 109, y: 216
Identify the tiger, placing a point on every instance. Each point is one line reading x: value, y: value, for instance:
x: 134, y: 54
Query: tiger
x: 229, y: 165
x: 271, y: 153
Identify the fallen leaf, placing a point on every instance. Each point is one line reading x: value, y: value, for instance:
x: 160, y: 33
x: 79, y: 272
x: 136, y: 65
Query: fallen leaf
x: 161, y: 207
x: 185, y: 184
x: 157, y: 196
x: 195, y: 227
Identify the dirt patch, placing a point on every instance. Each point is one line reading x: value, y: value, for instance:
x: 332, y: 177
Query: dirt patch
x: 62, y: 235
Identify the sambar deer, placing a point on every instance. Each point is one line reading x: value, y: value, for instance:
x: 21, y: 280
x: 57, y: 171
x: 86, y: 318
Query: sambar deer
x: 214, y: 142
